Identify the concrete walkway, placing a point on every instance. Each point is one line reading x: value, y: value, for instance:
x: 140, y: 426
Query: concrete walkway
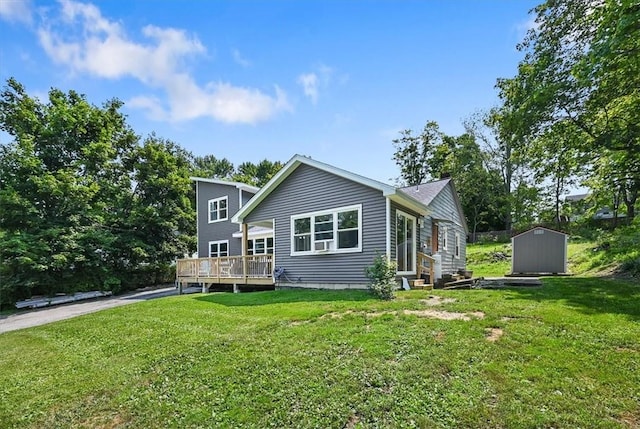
x: 53, y: 314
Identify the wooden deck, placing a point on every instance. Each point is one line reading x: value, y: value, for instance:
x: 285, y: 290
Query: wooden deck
x: 237, y: 270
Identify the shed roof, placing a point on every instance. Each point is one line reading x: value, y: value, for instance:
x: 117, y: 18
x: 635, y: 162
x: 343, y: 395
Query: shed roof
x: 540, y: 227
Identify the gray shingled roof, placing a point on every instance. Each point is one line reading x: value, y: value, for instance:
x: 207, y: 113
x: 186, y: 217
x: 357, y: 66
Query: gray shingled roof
x: 426, y: 192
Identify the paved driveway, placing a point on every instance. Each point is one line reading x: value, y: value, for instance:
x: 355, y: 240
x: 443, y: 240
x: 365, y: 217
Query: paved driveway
x: 53, y: 314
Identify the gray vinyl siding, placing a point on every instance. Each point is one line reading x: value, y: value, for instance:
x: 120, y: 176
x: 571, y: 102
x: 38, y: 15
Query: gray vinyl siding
x: 444, y: 206
x: 222, y: 230
x: 246, y: 196
x: 539, y: 253
x: 307, y: 190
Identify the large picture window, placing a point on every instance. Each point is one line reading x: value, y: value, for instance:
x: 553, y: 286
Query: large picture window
x: 405, y: 243
x: 329, y: 231
x: 218, y: 210
x: 218, y: 249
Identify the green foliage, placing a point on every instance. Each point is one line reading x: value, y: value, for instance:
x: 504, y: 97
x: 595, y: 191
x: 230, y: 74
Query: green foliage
x: 574, y: 103
x: 413, y: 153
x: 212, y: 167
x: 257, y: 174
x: 382, y: 276
x: 433, y: 155
x: 84, y: 205
x: 306, y: 359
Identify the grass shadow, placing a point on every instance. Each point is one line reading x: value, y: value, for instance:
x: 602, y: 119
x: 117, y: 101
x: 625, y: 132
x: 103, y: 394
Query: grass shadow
x: 589, y: 295
x: 283, y: 297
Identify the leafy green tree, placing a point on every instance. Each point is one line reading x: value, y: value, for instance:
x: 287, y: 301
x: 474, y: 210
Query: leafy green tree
x: 257, y: 174
x: 211, y: 167
x: 433, y: 155
x: 582, y: 67
x: 82, y: 203
x: 412, y: 153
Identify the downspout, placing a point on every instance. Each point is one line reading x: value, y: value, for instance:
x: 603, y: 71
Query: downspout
x: 388, y: 229
x: 198, y: 220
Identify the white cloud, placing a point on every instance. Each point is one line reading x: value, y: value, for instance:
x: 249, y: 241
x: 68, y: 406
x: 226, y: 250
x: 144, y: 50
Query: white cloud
x: 238, y: 58
x: 102, y: 48
x: 15, y: 10
x: 312, y: 82
x: 309, y: 82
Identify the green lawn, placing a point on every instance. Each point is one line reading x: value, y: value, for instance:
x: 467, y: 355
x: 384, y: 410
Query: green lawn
x: 569, y: 356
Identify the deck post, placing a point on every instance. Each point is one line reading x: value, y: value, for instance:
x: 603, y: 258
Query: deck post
x: 245, y: 245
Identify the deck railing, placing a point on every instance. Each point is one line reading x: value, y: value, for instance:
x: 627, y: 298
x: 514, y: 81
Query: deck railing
x: 426, y: 266
x: 241, y: 268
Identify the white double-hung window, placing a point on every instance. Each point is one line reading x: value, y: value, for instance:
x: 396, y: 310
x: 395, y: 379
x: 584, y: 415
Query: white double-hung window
x: 218, y: 209
x: 329, y: 231
x: 218, y: 249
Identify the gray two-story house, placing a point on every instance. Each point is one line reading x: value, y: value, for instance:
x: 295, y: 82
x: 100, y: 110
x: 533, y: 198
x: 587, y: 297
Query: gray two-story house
x: 314, y: 225
x: 217, y: 201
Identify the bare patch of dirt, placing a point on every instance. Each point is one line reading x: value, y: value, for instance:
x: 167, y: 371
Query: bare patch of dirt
x: 630, y: 420
x: 353, y: 420
x: 444, y: 315
x: 439, y: 336
x: 379, y: 313
x: 336, y: 315
x: 493, y: 334
x: 432, y: 301
x: 626, y: 349
x: 434, y: 314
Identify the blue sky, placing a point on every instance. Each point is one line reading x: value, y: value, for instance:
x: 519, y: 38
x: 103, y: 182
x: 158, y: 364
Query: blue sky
x: 248, y: 80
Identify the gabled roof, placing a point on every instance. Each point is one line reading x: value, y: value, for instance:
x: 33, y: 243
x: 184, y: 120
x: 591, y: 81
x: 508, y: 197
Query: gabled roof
x: 540, y: 227
x: 297, y: 160
x: 238, y: 185
x: 427, y: 192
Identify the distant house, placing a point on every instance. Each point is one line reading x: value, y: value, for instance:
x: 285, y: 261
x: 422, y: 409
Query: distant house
x: 319, y: 226
x: 539, y: 251
x: 579, y: 205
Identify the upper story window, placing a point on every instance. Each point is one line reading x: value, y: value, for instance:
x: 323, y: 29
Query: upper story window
x: 218, y: 209
x: 328, y: 231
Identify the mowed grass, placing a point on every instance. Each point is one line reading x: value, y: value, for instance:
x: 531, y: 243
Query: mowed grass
x: 568, y: 356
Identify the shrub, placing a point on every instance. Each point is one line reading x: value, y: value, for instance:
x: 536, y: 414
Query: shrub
x: 382, y: 276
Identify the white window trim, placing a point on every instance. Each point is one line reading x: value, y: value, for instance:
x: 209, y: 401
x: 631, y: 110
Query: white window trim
x: 218, y: 242
x: 456, y: 249
x: 261, y: 237
x: 226, y: 198
x: 335, y: 212
x: 415, y: 256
